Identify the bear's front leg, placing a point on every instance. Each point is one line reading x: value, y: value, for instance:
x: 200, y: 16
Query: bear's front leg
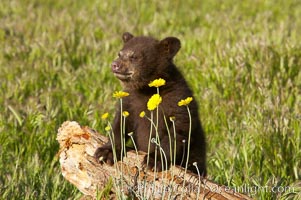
x: 105, y: 154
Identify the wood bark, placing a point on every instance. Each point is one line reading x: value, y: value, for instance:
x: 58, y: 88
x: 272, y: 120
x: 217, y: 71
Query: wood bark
x: 79, y: 167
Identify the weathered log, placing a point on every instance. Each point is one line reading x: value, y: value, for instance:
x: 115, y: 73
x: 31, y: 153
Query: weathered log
x: 77, y: 146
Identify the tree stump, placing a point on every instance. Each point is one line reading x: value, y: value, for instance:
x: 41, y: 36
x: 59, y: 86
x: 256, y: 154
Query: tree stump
x: 79, y: 167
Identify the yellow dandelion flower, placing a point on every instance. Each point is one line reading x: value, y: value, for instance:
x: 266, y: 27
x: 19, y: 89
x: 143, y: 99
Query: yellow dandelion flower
x: 142, y: 114
x: 185, y: 102
x: 154, y: 102
x: 157, y: 83
x: 107, y: 128
x: 125, y: 113
x: 105, y: 115
x: 120, y: 94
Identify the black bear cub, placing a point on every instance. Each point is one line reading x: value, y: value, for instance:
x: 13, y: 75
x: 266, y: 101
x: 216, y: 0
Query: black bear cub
x: 140, y: 61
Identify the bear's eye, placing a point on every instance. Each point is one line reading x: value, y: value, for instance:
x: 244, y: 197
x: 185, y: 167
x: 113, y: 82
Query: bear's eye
x: 133, y: 58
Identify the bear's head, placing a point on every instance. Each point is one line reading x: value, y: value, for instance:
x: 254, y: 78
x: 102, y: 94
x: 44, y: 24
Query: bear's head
x: 143, y: 59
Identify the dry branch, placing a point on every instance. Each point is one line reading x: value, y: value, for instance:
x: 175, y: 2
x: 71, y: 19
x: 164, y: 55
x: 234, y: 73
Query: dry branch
x: 77, y: 146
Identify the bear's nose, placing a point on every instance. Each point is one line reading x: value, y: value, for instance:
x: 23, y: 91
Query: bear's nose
x: 115, y: 66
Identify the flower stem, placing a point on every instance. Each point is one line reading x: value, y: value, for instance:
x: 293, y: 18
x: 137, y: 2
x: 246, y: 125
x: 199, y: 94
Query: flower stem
x: 188, y: 149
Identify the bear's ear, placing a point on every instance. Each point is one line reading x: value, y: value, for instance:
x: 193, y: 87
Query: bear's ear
x: 170, y: 46
x: 126, y: 37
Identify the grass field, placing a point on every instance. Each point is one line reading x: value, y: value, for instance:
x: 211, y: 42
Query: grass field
x: 242, y: 59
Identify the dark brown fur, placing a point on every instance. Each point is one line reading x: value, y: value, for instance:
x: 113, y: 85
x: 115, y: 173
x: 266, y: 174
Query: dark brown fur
x: 142, y: 60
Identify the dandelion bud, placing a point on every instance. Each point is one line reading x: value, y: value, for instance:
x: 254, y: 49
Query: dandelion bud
x: 105, y: 115
x: 107, y: 128
x: 172, y: 118
x: 125, y: 113
x: 142, y: 114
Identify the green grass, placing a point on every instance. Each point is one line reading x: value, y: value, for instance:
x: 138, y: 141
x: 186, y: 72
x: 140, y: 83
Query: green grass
x: 242, y: 59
